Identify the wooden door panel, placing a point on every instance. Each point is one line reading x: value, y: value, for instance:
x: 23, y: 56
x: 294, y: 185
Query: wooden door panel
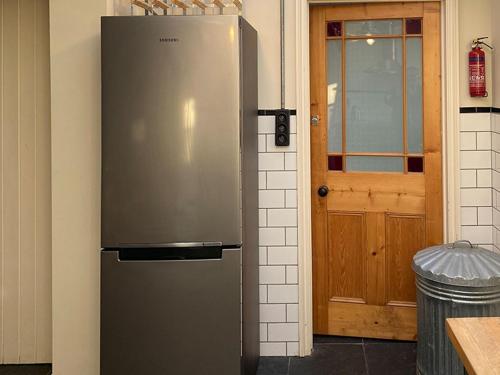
x: 386, y: 322
x: 347, y: 260
x: 376, y: 192
x: 375, y: 255
x: 405, y: 235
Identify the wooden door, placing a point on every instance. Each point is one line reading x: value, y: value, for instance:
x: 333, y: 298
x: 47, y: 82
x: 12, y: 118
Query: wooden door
x: 376, y: 154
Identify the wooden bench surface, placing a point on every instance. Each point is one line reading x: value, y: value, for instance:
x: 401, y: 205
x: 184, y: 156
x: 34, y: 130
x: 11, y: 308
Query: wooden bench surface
x: 477, y: 341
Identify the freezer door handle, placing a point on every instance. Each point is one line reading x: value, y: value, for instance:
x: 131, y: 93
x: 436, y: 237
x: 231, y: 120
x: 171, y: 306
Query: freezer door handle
x: 171, y: 253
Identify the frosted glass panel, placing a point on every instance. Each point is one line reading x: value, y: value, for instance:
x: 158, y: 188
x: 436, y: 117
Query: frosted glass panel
x: 414, y: 94
x: 374, y: 94
x: 383, y: 27
x: 374, y: 163
x: 334, y: 96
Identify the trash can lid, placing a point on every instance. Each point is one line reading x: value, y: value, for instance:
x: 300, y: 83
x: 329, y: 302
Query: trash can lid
x: 459, y: 263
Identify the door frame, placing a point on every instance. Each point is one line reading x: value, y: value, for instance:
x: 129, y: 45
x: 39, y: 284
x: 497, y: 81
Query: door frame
x: 450, y: 150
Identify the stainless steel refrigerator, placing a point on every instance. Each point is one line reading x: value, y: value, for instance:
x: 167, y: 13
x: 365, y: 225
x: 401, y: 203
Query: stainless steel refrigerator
x: 179, y: 215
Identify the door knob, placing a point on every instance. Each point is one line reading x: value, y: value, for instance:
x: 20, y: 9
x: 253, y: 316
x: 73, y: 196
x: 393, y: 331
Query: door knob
x: 323, y: 191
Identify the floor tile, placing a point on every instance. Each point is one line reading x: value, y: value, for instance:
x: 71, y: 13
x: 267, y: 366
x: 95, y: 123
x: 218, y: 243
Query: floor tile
x: 273, y: 366
x: 25, y: 369
x: 324, y: 339
x: 392, y: 358
x: 341, y: 359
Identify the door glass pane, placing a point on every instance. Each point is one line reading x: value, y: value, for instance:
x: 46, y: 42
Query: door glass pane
x: 334, y: 28
x: 382, y: 27
x: 334, y: 96
x: 414, y: 26
x: 335, y: 162
x: 415, y: 164
x: 374, y: 163
x: 414, y: 94
x: 374, y: 112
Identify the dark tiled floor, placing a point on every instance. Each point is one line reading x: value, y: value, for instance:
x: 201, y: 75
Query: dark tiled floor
x: 25, y: 369
x: 334, y: 355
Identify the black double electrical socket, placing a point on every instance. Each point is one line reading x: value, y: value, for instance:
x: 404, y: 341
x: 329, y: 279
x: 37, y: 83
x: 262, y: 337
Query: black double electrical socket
x: 282, y: 127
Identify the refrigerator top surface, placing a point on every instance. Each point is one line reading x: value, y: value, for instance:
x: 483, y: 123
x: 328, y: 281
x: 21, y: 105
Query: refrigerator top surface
x: 170, y: 130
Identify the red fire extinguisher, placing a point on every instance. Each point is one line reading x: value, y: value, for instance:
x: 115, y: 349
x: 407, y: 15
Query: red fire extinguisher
x: 477, y: 68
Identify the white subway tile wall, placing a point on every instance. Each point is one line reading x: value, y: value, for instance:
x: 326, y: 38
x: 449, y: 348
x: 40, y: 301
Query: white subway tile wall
x: 477, y: 160
x: 279, y: 331
x: 495, y: 180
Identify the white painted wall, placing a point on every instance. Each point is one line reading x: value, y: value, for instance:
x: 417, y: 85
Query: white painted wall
x: 475, y: 21
x: 264, y: 16
x: 76, y: 119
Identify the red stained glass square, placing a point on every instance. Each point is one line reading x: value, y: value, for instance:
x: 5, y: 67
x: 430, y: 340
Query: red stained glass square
x: 415, y: 164
x: 414, y: 26
x: 335, y: 162
x: 334, y: 28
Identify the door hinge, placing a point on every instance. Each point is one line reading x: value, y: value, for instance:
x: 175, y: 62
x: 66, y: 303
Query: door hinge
x: 315, y: 120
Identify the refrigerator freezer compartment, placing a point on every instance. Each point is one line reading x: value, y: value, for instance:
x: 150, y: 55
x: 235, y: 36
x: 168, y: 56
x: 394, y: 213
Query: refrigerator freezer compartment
x: 170, y: 317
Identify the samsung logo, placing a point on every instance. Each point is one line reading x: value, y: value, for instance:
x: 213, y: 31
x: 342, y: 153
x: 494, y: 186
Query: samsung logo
x: 169, y: 40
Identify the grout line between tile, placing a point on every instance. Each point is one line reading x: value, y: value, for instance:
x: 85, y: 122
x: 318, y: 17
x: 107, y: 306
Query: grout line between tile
x: 366, y: 360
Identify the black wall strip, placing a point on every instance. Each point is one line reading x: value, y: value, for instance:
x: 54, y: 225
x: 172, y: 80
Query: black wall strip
x: 479, y: 109
x: 272, y: 112
x: 293, y: 112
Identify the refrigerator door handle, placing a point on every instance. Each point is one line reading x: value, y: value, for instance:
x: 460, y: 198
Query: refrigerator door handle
x: 171, y: 253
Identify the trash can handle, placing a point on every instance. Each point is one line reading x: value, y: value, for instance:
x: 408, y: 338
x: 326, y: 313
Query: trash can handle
x: 461, y: 242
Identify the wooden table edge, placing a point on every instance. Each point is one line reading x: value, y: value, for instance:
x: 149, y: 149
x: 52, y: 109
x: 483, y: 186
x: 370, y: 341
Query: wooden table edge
x: 458, y: 347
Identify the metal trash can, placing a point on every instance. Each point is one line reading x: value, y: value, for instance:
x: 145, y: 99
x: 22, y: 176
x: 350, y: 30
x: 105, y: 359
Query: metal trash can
x: 453, y: 280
